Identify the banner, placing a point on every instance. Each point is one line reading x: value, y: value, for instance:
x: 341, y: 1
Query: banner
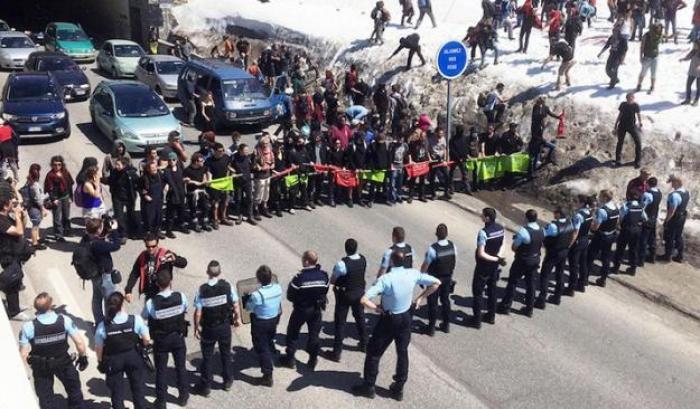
x: 417, y: 169
x: 293, y: 180
x: 345, y: 178
x: 224, y: 184
x: 517, y: 163
x: 376, y: 176
x: 492, y: 167
x: 561, y: 128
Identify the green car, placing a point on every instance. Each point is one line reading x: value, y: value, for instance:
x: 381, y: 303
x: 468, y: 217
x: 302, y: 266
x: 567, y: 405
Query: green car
x: 119, y: 58
x: 71, y: 40
x: 133, y: 113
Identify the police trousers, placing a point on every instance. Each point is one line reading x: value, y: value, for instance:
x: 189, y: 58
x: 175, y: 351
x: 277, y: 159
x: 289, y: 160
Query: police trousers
x: 553, y: 260
x: 628, y: 239
x: 311, y: 316
x: 263, y: 333
x: 443, y: 294
x: 390, y: 328
x: 217, y: 334
x: 578, y: 264
x: 342, y: 305
x: 163, y: 346
x: 68, y: 375
x: 601, y: 245
x: 647, y: 241
x: 131, y: 364
x: 673, y: 236
x: 519, y: 269
x: 485, y: 278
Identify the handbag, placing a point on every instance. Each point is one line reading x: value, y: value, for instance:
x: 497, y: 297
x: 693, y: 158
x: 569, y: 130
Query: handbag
x: 11, y: 275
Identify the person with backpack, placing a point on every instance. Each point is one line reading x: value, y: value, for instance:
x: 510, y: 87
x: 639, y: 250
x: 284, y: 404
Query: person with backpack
x: 381, y: 17
x: 33, y: 200
x: 92, y: 260
x: 494, y: 105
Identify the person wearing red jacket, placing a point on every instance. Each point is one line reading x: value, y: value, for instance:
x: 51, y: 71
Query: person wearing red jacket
x: 529, y: 21
x: 147, y: 264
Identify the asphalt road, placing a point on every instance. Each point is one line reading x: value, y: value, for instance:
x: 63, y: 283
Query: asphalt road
x: 603, y: 349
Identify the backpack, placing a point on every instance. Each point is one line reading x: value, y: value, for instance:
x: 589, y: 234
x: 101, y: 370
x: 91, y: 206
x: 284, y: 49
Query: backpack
x: 386, y: 17
x: 481, y: 99
x: 84, y: 262
x: 26, y: 196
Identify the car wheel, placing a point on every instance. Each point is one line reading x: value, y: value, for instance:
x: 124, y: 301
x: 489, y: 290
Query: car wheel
x: 67, y: 134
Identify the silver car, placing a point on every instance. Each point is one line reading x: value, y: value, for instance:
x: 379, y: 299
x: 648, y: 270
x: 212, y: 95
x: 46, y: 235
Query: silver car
x: 160, y: 73
x: 15, y: 49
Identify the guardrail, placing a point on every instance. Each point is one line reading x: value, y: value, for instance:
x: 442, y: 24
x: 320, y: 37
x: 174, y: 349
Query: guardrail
x: 15, y: 390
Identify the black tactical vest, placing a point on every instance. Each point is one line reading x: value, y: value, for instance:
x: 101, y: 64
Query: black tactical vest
x: 585, y: 227
x: 561, y: 241
x: 50, y: 341
x: 354, y: 278
x: 407, y: 254
x: 217, y: 304
x: 652, y: 209
x: 632, y: 221
x: 532, y: 250
x: 445, y: 259
x: 610, y: 224
x: 120, y: 337
x: 168, y: 315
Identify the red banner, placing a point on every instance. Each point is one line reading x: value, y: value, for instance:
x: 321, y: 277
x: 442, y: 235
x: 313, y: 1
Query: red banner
x: 417, y: 169
x: 561, y: 129
x: 284, y: 172
x: 319, y: 168
x: 346, y: 178
x: 443, y: 164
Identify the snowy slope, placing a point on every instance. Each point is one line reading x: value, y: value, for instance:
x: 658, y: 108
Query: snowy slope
x: 347, y: 23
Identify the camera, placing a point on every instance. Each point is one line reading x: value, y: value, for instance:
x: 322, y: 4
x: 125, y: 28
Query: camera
x: 107, y: 223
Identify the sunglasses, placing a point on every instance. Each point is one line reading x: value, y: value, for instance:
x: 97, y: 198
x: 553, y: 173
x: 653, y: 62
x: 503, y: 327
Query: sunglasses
x: 151, y: 246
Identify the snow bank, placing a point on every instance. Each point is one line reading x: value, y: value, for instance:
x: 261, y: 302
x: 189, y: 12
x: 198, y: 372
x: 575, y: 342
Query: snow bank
x: 347, y: 23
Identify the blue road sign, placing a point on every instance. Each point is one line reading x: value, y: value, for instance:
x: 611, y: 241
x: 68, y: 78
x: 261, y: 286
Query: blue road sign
x: 452, y: 59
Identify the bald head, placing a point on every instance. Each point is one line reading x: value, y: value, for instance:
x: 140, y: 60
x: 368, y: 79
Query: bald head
x: 309, y: 258
x: 43, y: 303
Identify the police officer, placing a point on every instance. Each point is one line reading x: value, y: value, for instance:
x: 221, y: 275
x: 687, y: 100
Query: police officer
x: 265, y: 305
x: 559, y: 236
x: 166, y: 323
x: 307, y: 292
x: 396, y: 288
x: 348, y: 281
x: 651, y: 199
x: 527, y: 245
x: 676, y: 214
x: 605, y: 233
x: 440, y: 260
x: 632, y: 218
x: 488, y: 246
x: 44, y: 345
x: 578, y: 253
x: 398, y: 237
x: 216, y: 309
x: 116, y: 341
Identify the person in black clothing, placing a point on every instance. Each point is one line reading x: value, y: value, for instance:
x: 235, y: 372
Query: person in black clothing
x: 488, y: 142
x: 123, y: 181
x: 559, y: 237
x: 175, y: 196
x: 152, y: 199
x: 572, y: 29
x: 317, y: 151
x: 381, y: 103
x: 298, y: 156
x: 196, y: 177
x: 101, y: 248
x: 355, y: 155
x: 243, y: 48
x: 578, y: 254
x: 489, y: 242
x: 647, y: 241
x: 13, y: 219
x: 242, y: 164
x: 412, y: 43
x: 307, y: 292
x: 510, y: 141
x: 627, y: 123
x: 632, y: 219
x: 564, y: 51
x: 618, y: 49
x: 540, y: 112
x: 529, y: 17
x: 440, y: 260
x: 459, y: 153
x: 378, y: 159
x: 419, y: 151
x: 279, y: 194
x: 336, y: 157
x: 218, y: 165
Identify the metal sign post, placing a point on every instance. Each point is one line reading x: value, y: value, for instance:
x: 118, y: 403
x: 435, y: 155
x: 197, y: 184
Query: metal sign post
x: 451, y: 62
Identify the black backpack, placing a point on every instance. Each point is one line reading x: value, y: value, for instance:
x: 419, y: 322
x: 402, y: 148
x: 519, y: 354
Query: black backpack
x: 26, y: 196
x: 84, y: 261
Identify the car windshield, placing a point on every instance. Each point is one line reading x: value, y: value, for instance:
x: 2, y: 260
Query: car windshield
x: 248, y: 87
x: 26, y: 89
x: 127, y: 50
x: 170, y: 67
x: 4, y: 26
x: 16, y: 42
x: 71, y: 35
x: 139, y: 102
x: 57, y: 64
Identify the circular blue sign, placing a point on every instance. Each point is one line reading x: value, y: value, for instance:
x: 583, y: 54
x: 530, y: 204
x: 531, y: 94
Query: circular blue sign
x: 452, y: 59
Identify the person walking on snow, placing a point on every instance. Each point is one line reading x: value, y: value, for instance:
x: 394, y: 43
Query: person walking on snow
x: 627, y: 123
x: 693, y: 74
x: 381, y: 17
x: 412, y: 43
x: 649, y: 55
x: 566, y: 53
x: 618, y: 49
x: 425, y: 7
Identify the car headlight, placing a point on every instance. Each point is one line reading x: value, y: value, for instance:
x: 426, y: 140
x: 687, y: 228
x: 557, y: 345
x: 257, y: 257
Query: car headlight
x: 59, y: 115
x: 232, y: 115
x: 85, y: 86
x: 266, y: 112
x: 9, y: 117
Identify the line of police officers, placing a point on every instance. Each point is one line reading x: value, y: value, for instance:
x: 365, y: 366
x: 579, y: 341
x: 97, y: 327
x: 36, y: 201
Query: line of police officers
x: 122, y: 340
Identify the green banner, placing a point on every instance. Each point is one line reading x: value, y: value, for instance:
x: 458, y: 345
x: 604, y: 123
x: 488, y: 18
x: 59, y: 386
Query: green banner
x: 494, y: 167
x: 517, y: 163
x: 293, y: 180
x: 224, y: 184
x: 376, y: 176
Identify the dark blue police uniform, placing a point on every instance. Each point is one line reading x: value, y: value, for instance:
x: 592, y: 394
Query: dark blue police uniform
x: 559, y: 235
x: 348, y: 289
x: 441, y: 258
x: 633, y: 218
x: 486, y: 272
x: 307, y: 292
x: 578, y: 253
x: 526, y: 262
x: 603, y: 239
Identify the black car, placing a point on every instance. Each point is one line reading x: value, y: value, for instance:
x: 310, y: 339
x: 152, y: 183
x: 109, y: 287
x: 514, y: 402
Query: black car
x: 66, y: 72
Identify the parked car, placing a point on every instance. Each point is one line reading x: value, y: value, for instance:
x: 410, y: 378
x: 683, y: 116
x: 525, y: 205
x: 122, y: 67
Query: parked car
x: 119, y: 57
x: 132, y: 112
x: 71, y: 40
x: 239, y: 98
x: 14, y: 49
x: 32, y: 102
x: 68, y: 74
x: 4, y: 26
x: 160, y: 73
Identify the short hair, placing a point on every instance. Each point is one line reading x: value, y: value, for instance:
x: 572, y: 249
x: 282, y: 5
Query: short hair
x: 241, y: 147
x: 441, y: 231
x: 236, y: 135
x: 218, y: 146
x: 489, y: 213
x: 92, y: 225
x: 606, y: 195
x: 397, y: 258
x: 124, y: 160
x: 150, y: 236
x: 149, y: 149
x: 214, y: 268
x: 653, y: 182
x: 43, y: 302
x: 57, y: 159
x: 399, y: 234
x: 164, y: 277
x: 196, y: 156
x: 561, y: 212
x: 531, y: 215
x: 500, y: 85
x: 635, y: 194
x: 310, y: 257
x: 350, y: 246
x: 264, y: 275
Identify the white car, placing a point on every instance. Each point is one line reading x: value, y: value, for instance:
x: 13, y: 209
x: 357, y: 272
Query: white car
x: 119, y: 58
x: 15, y: 49
x: 160, y: 72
